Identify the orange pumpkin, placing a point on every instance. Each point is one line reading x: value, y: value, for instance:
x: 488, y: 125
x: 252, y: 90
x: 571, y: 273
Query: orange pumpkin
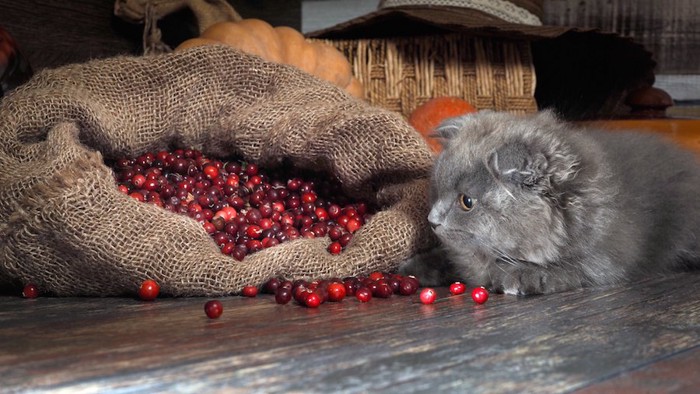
x: 282, y: 45
x: 426, y: 117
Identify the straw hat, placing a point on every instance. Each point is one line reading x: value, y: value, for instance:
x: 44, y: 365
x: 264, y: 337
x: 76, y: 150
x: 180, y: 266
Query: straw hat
x: 582, y: 73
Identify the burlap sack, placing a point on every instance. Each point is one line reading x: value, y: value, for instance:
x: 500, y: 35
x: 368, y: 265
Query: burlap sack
x: 66, y: 227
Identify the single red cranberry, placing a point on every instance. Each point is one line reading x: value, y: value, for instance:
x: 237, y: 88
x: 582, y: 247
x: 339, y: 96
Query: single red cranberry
x: 457, y: 288
x: 239, y: 253
x: 334, y: 211
x: 376, y: 275
x: 480, y: 295
x: 213, y: 309
x: 336, y: 292
x: 351, y: 285
x: 312, y: 300
x: 345, y: 239
x: 353, y: 225
x: 428, y: 295
x: 253, y: 231
x: 308, y: 197
x: 363, y: 294
x: 149, y: 290
x: 233, y: 167
x: 294, y: 184
x: 271, y: 286
x: 335, y: 248
x: 382, y: 289
x: 335, y: 232
x: 30, y: 291
x: 138, y: 180
x: 138, y: 196
x: 395, y: 284
x: 251, y: 169
x: 283, y: 295
x: 209, y: 227
x: 299, y: 293
x: 249, y: 291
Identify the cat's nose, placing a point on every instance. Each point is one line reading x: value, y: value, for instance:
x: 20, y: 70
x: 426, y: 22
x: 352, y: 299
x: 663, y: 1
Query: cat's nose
x: 433, y: 225
x: 434, y: 218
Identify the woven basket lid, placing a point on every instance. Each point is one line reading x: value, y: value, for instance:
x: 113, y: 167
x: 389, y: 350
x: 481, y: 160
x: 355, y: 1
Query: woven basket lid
x: 582, y: 73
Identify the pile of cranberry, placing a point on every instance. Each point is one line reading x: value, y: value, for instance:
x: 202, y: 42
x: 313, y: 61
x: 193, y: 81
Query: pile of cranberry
x: 242, y: 207
x: 312, y: 294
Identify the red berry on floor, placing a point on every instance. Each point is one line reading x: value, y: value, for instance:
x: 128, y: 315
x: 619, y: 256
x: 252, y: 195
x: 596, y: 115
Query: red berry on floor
x: 363, y: 294
x: 409, y: 285
x: 335, y: 248
x: 249, y: 291
x: 428, y: 295
x: 149, y: 290
x: 457, y: 288
x: 382, y: 289
x: 376, y: 275
x: 213, y: 309
x: 271, y: 286
x: 283, y: 295
x: 30, y: 291
x: 312, y: 300
x: 480, y: 295
x: 336, y: 292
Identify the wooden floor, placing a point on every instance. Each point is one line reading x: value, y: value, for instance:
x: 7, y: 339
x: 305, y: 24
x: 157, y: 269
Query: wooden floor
x: 639, y: 338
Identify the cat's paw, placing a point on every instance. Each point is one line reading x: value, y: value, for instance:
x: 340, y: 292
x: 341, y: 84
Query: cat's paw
x: 528, y: 280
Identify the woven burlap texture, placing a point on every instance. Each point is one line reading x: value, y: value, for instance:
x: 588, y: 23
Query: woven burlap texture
x: 66, y: 227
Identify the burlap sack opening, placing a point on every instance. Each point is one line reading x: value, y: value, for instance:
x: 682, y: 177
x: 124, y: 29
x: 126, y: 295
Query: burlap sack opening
x: 66, y: 227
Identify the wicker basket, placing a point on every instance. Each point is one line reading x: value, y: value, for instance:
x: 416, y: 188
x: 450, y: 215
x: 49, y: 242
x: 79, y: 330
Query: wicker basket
x: 404, y: 72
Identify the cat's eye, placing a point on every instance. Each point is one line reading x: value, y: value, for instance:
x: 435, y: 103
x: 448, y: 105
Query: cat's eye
x: 466, y: 202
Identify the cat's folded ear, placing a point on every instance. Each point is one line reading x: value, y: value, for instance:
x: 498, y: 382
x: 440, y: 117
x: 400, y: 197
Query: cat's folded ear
x: 542, y: 171
x: 452, y: 127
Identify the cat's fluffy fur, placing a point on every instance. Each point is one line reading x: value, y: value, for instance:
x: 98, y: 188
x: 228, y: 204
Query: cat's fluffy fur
x: 557, y: 207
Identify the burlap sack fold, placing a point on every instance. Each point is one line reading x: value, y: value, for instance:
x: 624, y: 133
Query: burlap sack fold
x: 65, y: 226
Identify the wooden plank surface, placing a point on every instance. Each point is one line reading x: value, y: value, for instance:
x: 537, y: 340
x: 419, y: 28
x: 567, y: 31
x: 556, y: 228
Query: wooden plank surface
x: 558, y: 343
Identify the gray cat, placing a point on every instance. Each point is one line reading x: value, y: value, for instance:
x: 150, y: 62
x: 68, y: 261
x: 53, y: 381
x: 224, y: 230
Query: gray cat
x: 534, y: 205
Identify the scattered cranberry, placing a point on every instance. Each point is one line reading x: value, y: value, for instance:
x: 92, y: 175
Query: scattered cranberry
x: 213, y: 309
x: 312, y: 300
x: 249, y: 291
x: 428, y: 295
x: 30, y: 291
x: 271, y: 286
x: 283, y: 295
x: 376, y: 275
x: 480, y: 295
x: 363, y: 294
x: 149, y: 290
x: 382, y: 289
x: 336, y: 292
x: 408, y: 286
x: 457, y: 288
